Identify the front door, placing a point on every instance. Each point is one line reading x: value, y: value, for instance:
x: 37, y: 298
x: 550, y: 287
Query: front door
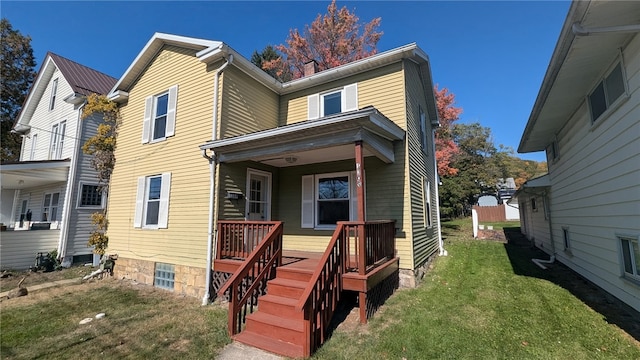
x: 258, y: 206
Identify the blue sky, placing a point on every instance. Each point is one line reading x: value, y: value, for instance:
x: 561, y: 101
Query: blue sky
x: 491, y: 55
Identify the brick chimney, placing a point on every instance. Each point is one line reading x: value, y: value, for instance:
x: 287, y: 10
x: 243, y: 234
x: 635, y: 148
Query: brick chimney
x: 310, y: 68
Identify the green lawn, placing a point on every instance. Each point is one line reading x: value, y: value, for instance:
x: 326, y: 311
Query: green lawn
x: 486, y: 300
x: 140, y: 323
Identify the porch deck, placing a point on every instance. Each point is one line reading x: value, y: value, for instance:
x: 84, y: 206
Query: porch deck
x: 307, y: 262
x: 283, y: 301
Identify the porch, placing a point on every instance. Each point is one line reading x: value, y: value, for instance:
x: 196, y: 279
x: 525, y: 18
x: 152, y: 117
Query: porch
x: 18, y: 249
x: 283, y: 300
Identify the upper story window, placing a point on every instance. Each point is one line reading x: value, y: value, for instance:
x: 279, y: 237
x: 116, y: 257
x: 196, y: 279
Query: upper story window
x: 423, y: 130
x: 333, y: 102
x: 152, y: 201
x: 552, y: 151
x: 608, y: 90
x: 54, y: 91
x: 160, y: 116
x: 57, y: 140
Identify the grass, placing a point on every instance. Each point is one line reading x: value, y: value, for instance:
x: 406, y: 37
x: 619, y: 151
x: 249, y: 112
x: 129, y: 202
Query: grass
x: 486, y: 300
x: 140, y: 322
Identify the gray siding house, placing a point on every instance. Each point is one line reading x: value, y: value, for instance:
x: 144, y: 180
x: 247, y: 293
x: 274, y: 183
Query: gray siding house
x: 48, y: 196
x: 586, y: 212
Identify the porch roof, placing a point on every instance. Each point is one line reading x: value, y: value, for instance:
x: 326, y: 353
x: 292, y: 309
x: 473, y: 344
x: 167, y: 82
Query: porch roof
x: 27, y: 174
x: 326, y: 139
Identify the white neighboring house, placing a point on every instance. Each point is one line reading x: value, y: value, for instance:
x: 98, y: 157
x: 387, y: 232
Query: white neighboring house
x: 53, y: 188
x: 586, y: 212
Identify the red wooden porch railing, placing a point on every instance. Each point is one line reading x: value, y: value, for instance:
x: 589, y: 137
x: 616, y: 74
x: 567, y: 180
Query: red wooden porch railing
x: 237, y: 239
x: 249, y: 281
x: 321, y: 296
x: 373, y: 242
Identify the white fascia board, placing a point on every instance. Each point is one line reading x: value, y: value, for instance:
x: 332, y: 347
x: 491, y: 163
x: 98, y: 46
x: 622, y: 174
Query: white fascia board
x: 36, y: 165
x: 300, y: 126
x: 154, y: 44
x: 29, y: 105
x: 374, y: 61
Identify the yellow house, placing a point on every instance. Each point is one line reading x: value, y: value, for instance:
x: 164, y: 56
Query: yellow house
x: 221, y: 167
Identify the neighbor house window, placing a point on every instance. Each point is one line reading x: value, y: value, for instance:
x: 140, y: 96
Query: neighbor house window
x: 423, y: 130
x: 152, y: 201
x: 90, y: 196
x: 426, y: 198
x: 165, y: 275
x: 160, y: 116
x: 327, y: 199
x: 333, y: 102
x: 50, y: 207
x: 630, y: 257
x: 566, y: 238
x: 54, y: 91
x: 57, y: 140
x: 534, y: 206
x: 608, y: 90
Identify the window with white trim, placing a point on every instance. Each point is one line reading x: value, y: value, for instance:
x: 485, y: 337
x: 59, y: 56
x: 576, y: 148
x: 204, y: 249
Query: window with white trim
x: 426, y: 198
x: 152, y: 202
x: 332, y: 102
x: 423, y: 130
x: 57, y: 140
x: 54, y: 91
x: 91, y: 196
x: 607, y: 92
x: 327, y: 199
x: 534, y: 205
x: 160, y: 116
x: 50, y: 207
x: 630, y: 252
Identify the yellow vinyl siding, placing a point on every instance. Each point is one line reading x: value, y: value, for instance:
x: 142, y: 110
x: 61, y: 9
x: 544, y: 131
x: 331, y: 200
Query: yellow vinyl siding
x: 185, y: 240
x: 382, y: 88
x: 247, y: 106
x: 425, y: 240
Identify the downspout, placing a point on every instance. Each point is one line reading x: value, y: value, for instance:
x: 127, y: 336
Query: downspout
x: 443, y: 252
x: 64, y: 232
x: 552, y: 259
x: 212, y: 223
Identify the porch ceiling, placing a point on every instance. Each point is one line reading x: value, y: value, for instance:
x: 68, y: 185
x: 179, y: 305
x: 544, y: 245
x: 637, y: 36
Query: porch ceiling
x: 27, y: 174
x: 313, y: 141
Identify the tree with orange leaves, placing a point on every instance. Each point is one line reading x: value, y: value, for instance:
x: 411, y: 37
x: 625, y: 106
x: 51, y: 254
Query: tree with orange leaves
x: 446, y: 148
x: 331, y: 40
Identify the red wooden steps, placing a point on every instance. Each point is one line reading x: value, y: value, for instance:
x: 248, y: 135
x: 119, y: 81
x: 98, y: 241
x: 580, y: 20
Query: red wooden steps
x: 276, y: 326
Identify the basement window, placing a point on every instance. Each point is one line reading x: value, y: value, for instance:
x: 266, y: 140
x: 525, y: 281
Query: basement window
x: 630, y: 252
x: 164, y: 276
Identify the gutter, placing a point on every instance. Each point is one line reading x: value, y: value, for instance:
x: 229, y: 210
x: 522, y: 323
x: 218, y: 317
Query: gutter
x: 212, y: 223
x: 443, y: 252
x: 64, y: 232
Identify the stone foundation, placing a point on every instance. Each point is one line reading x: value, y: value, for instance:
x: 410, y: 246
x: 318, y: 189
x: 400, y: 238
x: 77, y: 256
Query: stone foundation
x: 412, y: 278
x: 189, y: 280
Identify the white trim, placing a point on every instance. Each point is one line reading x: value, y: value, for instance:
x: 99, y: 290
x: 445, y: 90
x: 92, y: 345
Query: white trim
x: 316, y: 179
x: 635, y: 278
x: 103, y: 197
x: 268, y: 189
x: 139, y: 207
x: 146, y: 122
